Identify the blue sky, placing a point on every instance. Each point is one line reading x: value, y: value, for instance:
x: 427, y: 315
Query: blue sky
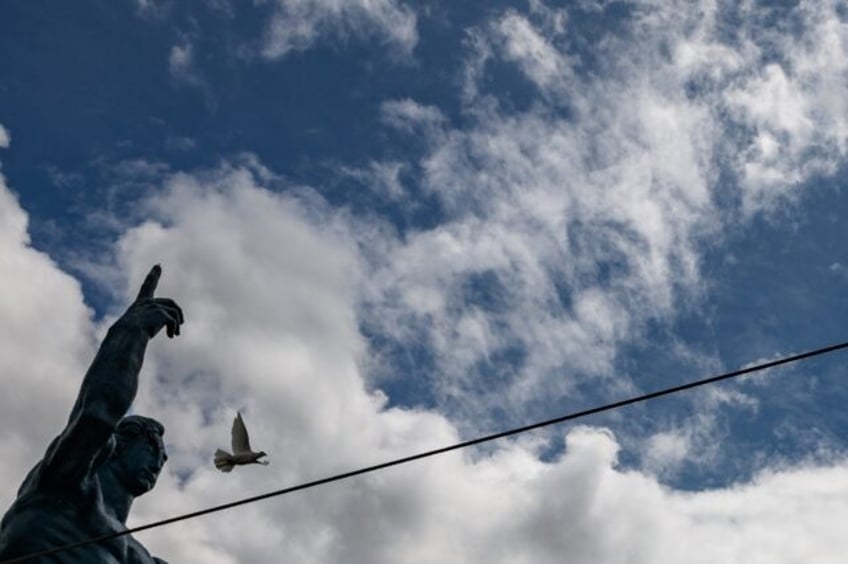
x: 395, y: 224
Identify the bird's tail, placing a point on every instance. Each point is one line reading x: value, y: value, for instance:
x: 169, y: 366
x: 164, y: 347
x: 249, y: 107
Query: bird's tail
x: 223, y: 461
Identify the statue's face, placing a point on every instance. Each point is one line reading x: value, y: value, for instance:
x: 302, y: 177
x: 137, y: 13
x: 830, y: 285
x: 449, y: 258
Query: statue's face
x: 139, y: 464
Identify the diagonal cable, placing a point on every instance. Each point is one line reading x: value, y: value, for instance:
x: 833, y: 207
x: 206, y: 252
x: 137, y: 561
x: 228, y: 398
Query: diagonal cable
x: 429, y: 453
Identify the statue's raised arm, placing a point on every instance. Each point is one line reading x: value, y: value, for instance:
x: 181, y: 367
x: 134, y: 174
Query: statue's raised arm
x: 86, y: 482
x: 110, y: 385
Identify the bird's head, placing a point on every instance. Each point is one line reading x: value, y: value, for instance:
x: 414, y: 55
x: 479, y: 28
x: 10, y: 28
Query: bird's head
x: 260, y: 455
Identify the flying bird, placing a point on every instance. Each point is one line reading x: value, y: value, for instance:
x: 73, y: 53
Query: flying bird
x: 224, y: 461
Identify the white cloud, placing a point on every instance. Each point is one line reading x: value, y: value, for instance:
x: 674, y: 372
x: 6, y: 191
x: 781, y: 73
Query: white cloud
x: 180, y: 144
x: 783, y: 85
x: 535, y: 55
x: 384, y: 178
x: 183, y: 68
x: 589, y: 221
x: 271, y: 329
x: 5, y: 138
x: 297, y: 24
x: 271, y: 306
x: 185, y: 71
x: 548, y: 206
x: 665, y: 450
x: 181, y: 62
x: 153, y: 8
x: 46, y: 339
x: 408, y: 115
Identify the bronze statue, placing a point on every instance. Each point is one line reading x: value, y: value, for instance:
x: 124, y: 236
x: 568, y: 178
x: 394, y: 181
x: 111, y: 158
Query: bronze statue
x: 86, y: 482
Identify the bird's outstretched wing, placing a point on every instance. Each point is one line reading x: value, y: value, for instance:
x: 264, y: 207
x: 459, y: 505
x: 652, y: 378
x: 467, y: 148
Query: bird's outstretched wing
x: 241, y: 442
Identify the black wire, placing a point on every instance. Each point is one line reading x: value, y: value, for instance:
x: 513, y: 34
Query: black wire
x: 457, y: 446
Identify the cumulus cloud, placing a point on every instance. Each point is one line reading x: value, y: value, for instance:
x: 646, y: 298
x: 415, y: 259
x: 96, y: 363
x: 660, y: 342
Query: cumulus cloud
x: 5, y: 138
x: 296, y: 25
x: 46, y: 339
x: 269, y: 288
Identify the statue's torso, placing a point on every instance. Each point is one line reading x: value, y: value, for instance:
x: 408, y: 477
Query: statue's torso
x: 39, y: 521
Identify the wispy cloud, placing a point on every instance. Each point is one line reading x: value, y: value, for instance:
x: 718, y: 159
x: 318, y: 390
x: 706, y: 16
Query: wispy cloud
x: 295, y: 25
x: 153, y: 8
x: 586, y: 213
x: 181, y: 62
x: 184, y: 70
x: 410, y: 116
x: 586, y: 224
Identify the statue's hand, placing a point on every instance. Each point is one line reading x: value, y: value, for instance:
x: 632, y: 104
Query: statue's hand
x: 151, y: 314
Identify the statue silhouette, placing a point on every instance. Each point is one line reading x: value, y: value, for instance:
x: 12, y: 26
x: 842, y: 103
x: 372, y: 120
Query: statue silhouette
x: 86, y: 482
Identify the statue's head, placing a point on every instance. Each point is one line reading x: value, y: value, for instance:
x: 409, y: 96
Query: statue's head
x: 139, y: 453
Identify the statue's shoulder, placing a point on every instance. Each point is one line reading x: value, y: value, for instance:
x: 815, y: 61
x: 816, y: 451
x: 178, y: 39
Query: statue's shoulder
x: 39, y: 481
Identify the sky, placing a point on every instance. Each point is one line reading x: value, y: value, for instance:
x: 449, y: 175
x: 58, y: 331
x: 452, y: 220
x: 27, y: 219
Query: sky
x: 394, y: 225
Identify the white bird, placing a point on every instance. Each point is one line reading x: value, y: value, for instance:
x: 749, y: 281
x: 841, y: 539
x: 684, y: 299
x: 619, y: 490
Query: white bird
x: 224, y: 461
